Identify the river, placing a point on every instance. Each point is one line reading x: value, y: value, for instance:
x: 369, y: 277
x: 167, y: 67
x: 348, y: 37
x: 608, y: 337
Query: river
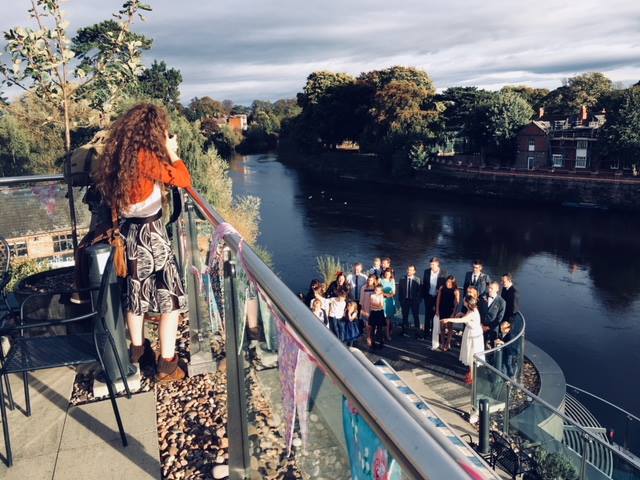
x: 577, y: 271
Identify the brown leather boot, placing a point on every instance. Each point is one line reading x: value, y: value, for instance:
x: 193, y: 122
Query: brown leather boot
x: 170, y: 370
x: 135, y: 353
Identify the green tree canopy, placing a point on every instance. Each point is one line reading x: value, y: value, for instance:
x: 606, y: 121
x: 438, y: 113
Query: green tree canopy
x: 461, y: 104
x: 378, y: 79
x: 402, y: 115
x: 161, y: 83
x: 496, y: 122
x: 621, y: 133
x: 319, y: 84
x: 204, y: 107
x: 533, y: 96
x: 582, y: 90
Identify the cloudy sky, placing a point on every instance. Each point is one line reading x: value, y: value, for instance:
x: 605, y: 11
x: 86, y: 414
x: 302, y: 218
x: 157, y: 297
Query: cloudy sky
x: 243, y: 50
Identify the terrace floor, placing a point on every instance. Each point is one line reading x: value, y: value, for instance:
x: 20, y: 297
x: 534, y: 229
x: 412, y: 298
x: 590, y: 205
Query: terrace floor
x: 64, y: 442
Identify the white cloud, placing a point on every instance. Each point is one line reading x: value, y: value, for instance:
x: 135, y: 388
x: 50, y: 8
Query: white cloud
x: 257, y: 49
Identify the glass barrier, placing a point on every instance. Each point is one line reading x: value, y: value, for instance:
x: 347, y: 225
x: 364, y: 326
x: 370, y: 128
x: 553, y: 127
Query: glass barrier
x: 292, y: 418
x: 299, y: 404
x: 547, y: 438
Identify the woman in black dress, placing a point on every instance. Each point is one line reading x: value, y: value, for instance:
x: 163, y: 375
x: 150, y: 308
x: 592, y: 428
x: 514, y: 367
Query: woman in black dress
x: 447, y: 304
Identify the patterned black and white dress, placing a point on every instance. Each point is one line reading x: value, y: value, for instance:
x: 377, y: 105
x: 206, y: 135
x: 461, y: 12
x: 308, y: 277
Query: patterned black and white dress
x: 153, y: 280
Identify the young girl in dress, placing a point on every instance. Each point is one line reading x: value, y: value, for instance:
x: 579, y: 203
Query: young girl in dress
x: 318, y: 311
x: 352, y: 329
x: 472, y: 338
x: 376, y: 317
x: 337, y: 309
x: 389, y: 288
x: 319, y: 294
x: 365, y: 296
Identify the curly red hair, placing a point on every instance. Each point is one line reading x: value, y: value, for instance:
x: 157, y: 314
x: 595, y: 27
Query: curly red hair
x: 143, y: 127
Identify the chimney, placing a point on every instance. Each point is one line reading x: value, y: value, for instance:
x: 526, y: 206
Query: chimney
x: 541, y: 112
x: 584, y: 113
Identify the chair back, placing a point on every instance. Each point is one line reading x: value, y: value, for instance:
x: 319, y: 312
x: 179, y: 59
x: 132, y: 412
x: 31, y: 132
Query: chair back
x: 5, y: 263
x: 101, y: 304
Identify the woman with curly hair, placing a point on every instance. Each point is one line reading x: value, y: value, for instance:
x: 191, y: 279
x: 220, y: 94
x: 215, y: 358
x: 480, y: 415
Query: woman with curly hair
x: 139, y: 157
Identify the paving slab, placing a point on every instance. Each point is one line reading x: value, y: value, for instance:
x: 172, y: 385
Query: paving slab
x: 110, y: 460
x: 39, y: 434
x: 38, y: 468
x: 95, y: 423
x: 78, y: 442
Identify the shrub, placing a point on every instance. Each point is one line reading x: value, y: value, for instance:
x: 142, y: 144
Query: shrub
x: 20, y: 269
x: 328, y: 267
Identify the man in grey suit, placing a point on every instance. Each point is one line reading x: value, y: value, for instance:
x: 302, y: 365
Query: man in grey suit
x: 409, y: 296
x: 433, y: 278
x: 494, y: 308
x: 477, y: 278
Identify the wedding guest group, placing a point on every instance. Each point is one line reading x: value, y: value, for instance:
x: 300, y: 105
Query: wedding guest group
x: 363, y: 306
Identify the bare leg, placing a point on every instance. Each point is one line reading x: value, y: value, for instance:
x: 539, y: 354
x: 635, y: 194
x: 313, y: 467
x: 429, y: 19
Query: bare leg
x: 136, y: 325
x: 168, y: 334
x: 449, y: 336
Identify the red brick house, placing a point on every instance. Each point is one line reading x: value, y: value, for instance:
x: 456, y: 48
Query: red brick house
x: 533, y: 146
x: 560, y: 143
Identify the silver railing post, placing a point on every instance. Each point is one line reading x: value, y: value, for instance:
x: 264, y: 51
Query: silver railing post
x: 201, y: 360
x: 474, y: 385
x: 627, y: 432
x: 521, y: 357
x: 586, y: 441
x: 237, y: 431
x: 505, y: 415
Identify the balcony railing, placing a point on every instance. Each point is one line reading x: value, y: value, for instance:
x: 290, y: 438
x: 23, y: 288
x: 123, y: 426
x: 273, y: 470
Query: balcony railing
x: 341, y: 384
x: 521, y: 414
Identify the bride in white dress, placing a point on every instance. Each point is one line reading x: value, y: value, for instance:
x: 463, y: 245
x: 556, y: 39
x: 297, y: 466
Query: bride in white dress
x: 472, y: 339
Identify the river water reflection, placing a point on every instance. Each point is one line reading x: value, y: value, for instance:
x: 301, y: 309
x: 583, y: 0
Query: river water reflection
x: 578, y: 272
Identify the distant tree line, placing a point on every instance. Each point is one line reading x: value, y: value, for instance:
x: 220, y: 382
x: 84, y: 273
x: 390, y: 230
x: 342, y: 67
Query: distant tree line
x: 264, y: 120
x: 397, y: 113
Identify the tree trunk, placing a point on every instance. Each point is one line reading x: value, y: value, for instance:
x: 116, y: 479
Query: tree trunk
x: 67, y: 161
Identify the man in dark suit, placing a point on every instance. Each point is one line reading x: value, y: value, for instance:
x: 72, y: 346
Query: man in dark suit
x: 434, y: 277
x: 476, y: 278
x: 493, y: 314
x: 409, y: 296
x: 510, y: 295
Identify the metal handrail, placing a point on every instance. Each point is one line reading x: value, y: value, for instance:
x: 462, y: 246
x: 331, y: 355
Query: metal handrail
x: 420, y: 454
x: 8, y: 181
x: 560, y: 414
x: 513, y: 340
x: 630, y: 415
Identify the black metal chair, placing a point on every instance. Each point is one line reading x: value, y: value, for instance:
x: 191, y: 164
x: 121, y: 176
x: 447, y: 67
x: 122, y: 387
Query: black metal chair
x: 505, y: 454
x: 5, y: 274
x: 45, y: 352
x: 487, y: 457
x: 8, y: 312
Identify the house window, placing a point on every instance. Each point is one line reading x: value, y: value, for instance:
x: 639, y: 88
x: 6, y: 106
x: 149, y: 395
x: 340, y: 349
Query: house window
x: 19, y: 249
x: 558, y: 161
x: 615, y: 164
x: 581, y: 161
x: 581, y: 145
x: 62, y: 243
x: 532, y: 145
x: 530, y: 163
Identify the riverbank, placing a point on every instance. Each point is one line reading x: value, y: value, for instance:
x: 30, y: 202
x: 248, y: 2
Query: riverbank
x: 561, y: 189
